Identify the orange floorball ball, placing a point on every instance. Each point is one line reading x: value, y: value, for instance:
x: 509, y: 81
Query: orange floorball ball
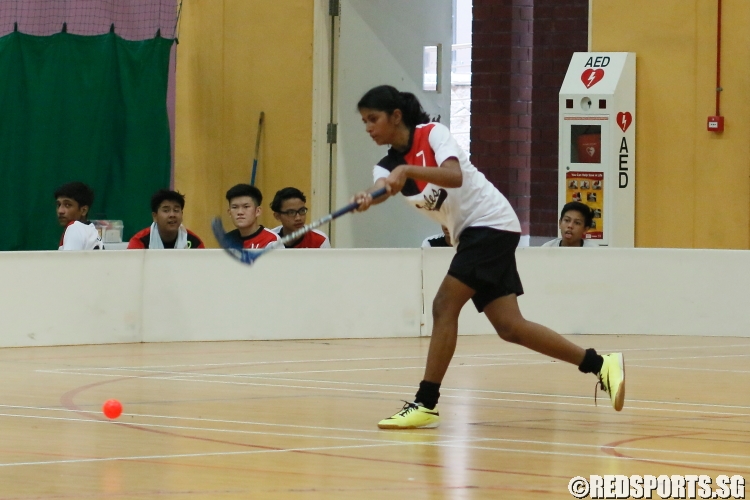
x: 112, y: 408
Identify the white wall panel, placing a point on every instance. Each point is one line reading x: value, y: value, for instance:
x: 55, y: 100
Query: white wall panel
x: 382, y: 42
x: 615, y: 290
x: 287, y: 294
x: 57, y: 298
x: 640, y: 291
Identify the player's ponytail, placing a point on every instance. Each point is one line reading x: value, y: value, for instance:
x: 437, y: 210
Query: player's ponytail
x: 388, y: 99
x: 412, y: 110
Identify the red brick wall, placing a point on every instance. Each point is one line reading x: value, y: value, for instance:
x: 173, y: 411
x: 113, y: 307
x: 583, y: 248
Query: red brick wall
x: 520, y: 52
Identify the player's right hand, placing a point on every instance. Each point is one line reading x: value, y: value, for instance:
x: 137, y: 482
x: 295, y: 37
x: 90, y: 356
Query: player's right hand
x: 364, y: 199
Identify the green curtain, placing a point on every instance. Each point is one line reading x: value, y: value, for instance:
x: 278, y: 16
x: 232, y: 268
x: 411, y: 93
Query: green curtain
x: 80, y: 108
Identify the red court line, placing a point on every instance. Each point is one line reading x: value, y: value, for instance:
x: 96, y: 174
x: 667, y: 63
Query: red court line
x: 67, y: 400
x: 289, y: 490
x: 610, y: 450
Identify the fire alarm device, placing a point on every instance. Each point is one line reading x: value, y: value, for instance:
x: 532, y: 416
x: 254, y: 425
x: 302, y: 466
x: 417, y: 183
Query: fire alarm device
x: 715, y: 124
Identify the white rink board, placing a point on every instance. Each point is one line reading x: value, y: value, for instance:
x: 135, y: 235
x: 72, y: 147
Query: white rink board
x: 56, y: 298
x: 65, y: 298
x: 287, y: 294
x: 620, y: 290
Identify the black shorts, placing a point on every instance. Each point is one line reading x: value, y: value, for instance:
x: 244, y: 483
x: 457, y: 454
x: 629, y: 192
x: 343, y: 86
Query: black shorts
x: 486, y: 261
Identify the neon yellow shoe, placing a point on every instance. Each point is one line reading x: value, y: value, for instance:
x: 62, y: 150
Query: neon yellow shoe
x: 612, y: 379
x: 412, y: 416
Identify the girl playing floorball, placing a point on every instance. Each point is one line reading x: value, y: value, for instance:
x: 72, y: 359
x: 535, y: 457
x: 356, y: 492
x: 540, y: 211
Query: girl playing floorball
x: 426, y: 165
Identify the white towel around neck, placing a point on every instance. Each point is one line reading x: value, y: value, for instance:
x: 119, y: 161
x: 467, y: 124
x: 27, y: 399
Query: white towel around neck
x: 155, y: 242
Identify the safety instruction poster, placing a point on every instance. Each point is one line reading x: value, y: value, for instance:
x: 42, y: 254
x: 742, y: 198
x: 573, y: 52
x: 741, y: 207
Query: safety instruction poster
x: 588, y: 188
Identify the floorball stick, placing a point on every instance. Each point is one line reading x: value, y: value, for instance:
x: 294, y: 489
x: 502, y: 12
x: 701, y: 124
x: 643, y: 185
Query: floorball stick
x: 249, y: 255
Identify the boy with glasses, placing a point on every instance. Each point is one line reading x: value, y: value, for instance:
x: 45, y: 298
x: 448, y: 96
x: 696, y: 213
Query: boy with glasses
x: 289, y: 208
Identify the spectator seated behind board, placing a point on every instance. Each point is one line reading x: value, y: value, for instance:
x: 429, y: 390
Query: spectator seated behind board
x: 289, y: 208
x: 74, y: 201
x: 575, y: 219
x: 244, y: 209
x: 166, y: 230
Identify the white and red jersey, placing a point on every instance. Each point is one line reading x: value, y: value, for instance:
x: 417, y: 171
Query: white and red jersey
x: 476, y: 203
x: 557, y: 242
x: 312, y: 239
x: 142, y: 240
x: 80, y: 236
x: 261, y: 238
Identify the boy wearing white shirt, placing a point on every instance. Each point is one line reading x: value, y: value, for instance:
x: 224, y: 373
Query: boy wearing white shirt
x: 576, y: 219
x: 74, y: 201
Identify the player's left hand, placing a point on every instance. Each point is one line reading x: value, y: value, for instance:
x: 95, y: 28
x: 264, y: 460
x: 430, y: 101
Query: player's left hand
x: 364, y: 199
x: 394, y: 183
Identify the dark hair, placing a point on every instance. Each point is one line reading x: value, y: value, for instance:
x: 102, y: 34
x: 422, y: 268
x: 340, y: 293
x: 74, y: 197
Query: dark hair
x: 287, y: 193
x: 245, y: 190
x: 78, y: 191
x: 388, y: 99
x: 163, y: 195
x: 584, y: 210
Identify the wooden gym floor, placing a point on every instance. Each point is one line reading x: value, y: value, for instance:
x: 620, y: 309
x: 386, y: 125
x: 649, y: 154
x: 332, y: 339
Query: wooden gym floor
x: 297, y: 419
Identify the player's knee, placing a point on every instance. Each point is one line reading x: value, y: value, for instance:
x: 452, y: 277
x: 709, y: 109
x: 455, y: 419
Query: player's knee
x: 509, y: 331
x: 443, y: 308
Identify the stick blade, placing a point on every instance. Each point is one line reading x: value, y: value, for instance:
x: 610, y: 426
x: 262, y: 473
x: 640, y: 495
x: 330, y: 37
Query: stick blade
x: 244, y: 255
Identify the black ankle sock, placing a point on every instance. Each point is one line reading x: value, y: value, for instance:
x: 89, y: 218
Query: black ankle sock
x: 592, y: 362
x: 428, y: 394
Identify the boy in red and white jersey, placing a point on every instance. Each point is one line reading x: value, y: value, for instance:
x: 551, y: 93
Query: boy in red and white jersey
x: 244, y: 209
x: 73, y: 203
x: 166, y: 231
x: 289, y: 208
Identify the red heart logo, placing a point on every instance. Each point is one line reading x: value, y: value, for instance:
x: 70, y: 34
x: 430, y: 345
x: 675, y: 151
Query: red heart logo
x: 624, y: 120
x: 591, y: 76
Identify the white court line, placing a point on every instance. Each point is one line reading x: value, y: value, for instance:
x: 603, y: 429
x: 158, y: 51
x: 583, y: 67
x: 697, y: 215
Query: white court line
x: 337, y: 429
x: 297, y: 361
x: 588, y: 455
x: 714, y: 346
x: 457, y: 438
x: 346, y: 370
x: 628, y: 448
x: 211, y: 420
x: 254, y: 363
x: 451, y: 443
x: 251, y: 363
x: 344, y: 360
x: 490, y: 391
x: 463, y: 397
x: 263, y: 374
x: 193, y: 455
x: 197, y: 376
x: 691, y: 368
x: 697, y: 357
x: 460, y: 444
x: 210, y: 429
